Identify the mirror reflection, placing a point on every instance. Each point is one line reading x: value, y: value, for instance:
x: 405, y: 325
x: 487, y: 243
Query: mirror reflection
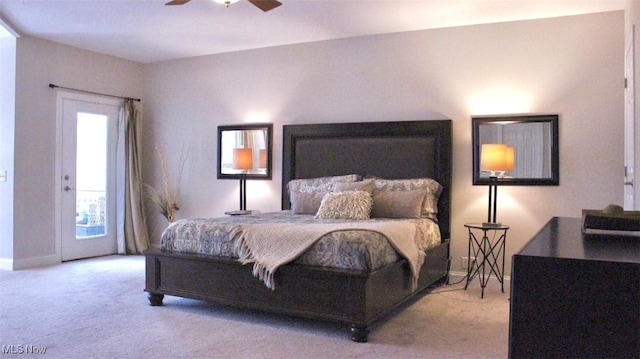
x: 518, y: 150
x: 244, y: 151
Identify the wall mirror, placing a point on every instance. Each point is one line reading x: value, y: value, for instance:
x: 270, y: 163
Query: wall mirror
x: 245, y: 151
x: 531, y: 145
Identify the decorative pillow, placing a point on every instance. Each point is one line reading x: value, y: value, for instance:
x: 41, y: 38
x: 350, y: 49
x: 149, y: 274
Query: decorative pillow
x: 366, y: 185
x: 320, y: 184
x: 397, y: 204
x: 430, y: 202
x: 306, y: 203
x: 316, y: 188
x: 345, y: 205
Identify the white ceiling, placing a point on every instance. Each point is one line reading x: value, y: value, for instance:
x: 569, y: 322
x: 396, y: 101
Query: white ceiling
x: 147, y: 31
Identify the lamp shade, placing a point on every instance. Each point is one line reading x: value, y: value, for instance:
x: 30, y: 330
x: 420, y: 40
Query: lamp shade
x: 511, y: 159
x: 493, y: 157
x: 242, y: 158
x: 262, y: 163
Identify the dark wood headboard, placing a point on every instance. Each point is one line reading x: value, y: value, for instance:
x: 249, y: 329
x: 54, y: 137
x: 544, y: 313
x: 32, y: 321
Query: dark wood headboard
x: 391, y: 150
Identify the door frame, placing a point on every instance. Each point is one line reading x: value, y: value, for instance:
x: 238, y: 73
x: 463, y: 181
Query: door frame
x: 630, y: 193
x: 60, y: 97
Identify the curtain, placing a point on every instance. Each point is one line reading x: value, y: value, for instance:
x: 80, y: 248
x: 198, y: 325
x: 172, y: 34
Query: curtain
x: 133, y: 237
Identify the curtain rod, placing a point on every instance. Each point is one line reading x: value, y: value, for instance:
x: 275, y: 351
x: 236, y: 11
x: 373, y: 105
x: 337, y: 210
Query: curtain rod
x: 93, y: 93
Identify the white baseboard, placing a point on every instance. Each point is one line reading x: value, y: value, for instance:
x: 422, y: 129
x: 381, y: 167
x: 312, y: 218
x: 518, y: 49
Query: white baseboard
x: 34, y: 262
x: 456, y: 276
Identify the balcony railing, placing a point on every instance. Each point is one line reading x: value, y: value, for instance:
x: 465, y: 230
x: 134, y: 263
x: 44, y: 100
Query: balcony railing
x: 90, y: 213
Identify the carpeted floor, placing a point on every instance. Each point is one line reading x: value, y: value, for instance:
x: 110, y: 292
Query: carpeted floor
x: 96, y: 308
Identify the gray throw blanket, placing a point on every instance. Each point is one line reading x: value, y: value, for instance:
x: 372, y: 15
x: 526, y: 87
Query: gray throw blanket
x: 271, y: 245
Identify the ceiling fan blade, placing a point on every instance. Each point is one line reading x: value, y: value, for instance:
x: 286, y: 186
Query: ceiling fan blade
x: 177, y: 2
x: 266, y: 5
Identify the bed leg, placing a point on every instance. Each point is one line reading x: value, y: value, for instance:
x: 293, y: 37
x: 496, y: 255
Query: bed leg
x: 155, y: 299
x: 359, y: 333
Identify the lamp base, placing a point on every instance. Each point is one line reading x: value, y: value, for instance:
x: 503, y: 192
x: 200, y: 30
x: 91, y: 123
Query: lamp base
x: 492, y: 224
x: 241, y: 212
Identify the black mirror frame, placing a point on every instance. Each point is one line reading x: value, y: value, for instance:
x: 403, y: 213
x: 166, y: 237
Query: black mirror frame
x: 554, y: 180
x: 255, y: 126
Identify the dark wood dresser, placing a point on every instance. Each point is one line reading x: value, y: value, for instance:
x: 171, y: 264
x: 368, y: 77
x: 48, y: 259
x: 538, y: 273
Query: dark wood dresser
x: 575, y: 296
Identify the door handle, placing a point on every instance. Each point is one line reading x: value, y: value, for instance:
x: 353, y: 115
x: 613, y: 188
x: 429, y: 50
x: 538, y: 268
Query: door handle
x: 628, y: 183
x: 67, y: 188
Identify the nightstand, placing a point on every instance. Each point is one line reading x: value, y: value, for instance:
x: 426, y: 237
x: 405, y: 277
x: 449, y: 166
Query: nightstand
x: 487, y: 245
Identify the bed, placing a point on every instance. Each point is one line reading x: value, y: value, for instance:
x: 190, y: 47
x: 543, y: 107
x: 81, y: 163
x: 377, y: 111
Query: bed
x: 351, y: 295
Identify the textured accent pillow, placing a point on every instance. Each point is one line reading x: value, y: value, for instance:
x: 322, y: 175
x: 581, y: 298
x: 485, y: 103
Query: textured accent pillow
x: 345, y: 205
x: 397, y: 204
x: 430, y: 202
x: 306, y: 202
x: 366, y: 185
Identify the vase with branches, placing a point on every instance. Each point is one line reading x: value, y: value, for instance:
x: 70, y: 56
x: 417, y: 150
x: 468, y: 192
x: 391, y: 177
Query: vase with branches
x: 167, y: 201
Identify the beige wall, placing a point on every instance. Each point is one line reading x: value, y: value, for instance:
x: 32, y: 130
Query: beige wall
x: 40, y: 63
x: 572, y: 66
x: 7, y: 126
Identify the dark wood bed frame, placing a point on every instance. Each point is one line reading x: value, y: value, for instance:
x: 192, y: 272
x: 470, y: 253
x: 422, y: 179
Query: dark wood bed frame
x: 393, y: 150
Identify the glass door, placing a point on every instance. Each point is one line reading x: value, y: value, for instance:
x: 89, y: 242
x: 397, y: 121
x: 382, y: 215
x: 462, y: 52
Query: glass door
x: 88, y: 208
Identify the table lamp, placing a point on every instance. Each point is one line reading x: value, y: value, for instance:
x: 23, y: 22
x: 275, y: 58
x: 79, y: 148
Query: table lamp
x: 497, y: 159
x: 243, y: 161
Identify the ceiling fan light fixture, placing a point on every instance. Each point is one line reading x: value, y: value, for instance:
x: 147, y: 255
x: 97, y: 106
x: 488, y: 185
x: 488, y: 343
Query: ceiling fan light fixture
x: 226, y: 2
x: 264, y: 5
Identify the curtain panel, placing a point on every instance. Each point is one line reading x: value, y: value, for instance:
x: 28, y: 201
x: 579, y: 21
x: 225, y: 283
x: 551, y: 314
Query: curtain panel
x: 133, y: 236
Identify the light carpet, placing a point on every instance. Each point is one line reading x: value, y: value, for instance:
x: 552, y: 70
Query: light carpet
x: 96, y: 308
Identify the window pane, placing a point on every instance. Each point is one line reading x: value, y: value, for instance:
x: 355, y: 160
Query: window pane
x: 91, y: 175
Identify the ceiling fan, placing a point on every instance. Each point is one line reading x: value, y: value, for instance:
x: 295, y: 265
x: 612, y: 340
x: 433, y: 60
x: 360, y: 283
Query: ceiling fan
x: 264, y: 5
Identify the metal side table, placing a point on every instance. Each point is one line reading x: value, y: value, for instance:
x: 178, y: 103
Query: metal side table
x: 489, y: 252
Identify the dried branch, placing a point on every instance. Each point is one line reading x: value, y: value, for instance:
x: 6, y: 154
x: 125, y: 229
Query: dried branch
x: 167, y: 202
x: 183, y: 159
